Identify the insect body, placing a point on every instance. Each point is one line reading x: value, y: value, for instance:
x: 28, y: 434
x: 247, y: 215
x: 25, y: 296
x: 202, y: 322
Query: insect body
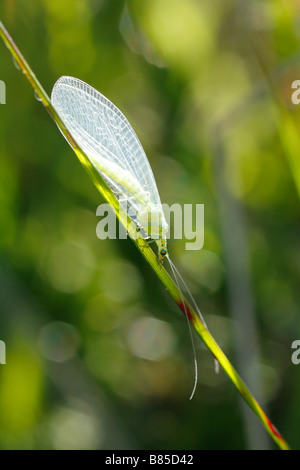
x: 112, y: 146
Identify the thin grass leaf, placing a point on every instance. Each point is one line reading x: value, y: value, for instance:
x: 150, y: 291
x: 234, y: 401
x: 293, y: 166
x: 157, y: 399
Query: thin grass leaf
x: 145, y: 249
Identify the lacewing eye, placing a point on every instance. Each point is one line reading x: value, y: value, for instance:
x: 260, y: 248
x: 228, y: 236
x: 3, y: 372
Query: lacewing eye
x: 163, y: 252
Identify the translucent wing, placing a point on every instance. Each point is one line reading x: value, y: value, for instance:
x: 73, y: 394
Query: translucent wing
x: 111, y: 144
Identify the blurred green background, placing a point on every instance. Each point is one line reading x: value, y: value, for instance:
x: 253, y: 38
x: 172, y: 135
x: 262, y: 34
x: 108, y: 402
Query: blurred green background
x: 98, y: 356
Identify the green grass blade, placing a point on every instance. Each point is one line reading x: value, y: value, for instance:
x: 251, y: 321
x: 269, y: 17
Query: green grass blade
x: 145, y: 249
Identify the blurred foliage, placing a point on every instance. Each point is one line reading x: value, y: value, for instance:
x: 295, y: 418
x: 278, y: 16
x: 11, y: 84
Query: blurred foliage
x: 97, y: 354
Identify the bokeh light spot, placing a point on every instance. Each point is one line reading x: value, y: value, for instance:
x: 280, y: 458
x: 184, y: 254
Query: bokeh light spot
x: 151, y: 339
